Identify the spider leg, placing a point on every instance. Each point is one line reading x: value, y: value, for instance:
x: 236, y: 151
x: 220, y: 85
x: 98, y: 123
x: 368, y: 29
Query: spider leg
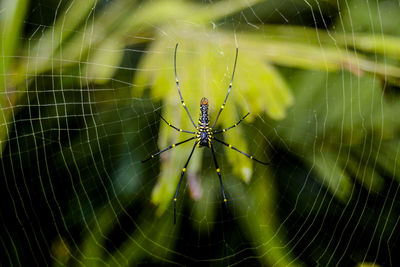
x: 168, y: 148
x: 229, y: 89
x: 179, y: 130
x: 219, y: 174
x: 179, y: 89
x: 233, y: 126
x: 180, y: 180
x: 247, y: 155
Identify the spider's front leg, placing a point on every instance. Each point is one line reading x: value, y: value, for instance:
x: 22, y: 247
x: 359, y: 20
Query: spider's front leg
x: 179, y: 89
x: 176, y: 128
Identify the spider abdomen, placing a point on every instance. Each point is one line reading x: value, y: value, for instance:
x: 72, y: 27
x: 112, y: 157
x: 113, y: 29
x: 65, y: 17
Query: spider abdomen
x: 204, y: 137
x: 204, y: 134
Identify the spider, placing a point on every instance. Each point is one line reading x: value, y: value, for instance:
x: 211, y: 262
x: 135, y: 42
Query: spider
x: 204, y: 135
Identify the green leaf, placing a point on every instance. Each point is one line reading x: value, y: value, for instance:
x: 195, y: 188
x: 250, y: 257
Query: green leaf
x: 261, y: 221
x: 205, y: 70
x: 11, y: 22
x: 103, y: 60
x: 331, y: 174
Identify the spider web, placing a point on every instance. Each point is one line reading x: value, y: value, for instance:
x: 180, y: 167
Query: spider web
x: 84, y: 83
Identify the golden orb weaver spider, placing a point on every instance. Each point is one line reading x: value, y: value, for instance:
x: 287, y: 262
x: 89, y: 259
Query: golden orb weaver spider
x: 204, y: 134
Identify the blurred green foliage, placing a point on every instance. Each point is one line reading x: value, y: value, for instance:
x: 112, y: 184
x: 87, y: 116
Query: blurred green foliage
x: 82, y: 85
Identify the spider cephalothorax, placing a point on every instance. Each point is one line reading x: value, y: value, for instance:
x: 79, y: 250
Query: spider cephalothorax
x: 204, y: 134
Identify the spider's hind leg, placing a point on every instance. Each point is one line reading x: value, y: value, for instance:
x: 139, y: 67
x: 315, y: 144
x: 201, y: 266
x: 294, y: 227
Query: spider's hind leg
x: 180, y: 180
x: 219, y: 175
x: 241, y: 152
x: 166, y: 149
